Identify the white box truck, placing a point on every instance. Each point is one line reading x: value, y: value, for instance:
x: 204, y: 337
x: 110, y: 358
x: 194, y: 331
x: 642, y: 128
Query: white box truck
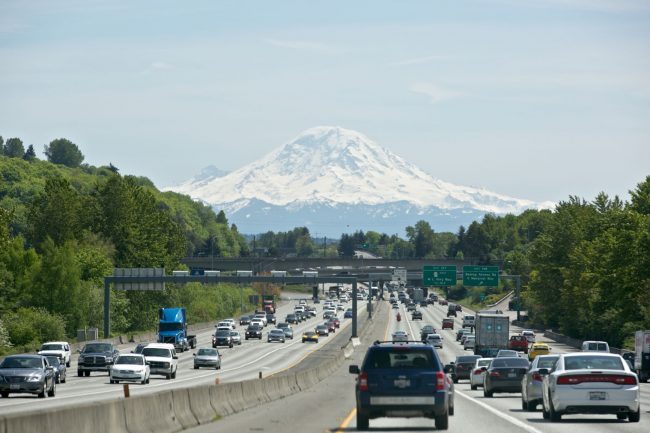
x: 492, y: 334
x: 642, y: 355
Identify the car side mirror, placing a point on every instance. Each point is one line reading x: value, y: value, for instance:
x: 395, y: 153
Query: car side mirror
x: 483, y: 368
x: 449, y: 368
x: 354, y: 369
x: 543, y: 371
x: 174, y: 357
x: 194, y: 354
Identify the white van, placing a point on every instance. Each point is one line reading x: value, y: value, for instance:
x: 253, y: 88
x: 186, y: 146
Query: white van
x: 468, y: 320
x: 595, y: 346
x: 162, y: 359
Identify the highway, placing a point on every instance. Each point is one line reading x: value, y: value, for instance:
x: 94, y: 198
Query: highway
x: 330, y: 405
x: 239, y: 363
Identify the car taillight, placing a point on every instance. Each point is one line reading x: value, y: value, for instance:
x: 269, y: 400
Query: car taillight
x: 495, y: 374
x: 363, y: 381
x: 478, y: 371
x: 440, y: 381
x: 596, y: 378
x: 537, y: 377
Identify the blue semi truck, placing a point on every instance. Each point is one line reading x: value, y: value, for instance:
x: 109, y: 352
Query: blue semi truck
x: 172, y: 328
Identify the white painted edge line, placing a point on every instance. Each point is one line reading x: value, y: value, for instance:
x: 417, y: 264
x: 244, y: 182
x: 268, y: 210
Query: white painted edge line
x: 500, y: 414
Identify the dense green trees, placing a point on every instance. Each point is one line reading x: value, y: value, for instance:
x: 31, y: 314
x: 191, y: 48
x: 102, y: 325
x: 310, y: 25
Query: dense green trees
x: 297, y: 240
x: 14, y: 148
x: 63, y: 151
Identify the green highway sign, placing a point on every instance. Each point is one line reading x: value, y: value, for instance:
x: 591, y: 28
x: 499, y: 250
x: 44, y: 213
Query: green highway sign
x: 433, y: 275
x: 481, y: 276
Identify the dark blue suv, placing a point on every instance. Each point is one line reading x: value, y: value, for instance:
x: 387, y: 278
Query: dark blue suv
x: 405, y: 379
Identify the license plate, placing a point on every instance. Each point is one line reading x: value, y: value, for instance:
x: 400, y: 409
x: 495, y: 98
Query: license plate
x: 402, y: 383
x: 597, y: 396
x: 14, y: 386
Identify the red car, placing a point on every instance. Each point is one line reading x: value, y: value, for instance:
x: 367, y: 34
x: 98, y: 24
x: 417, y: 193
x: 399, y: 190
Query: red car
x: 336, y: 322
x: 519, y: 343
x: 447, y: 323
x: 443, y: 302
x: 331, y: 327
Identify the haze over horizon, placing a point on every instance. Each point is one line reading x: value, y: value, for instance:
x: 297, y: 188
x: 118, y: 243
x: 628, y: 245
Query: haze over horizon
x: 538, y: 101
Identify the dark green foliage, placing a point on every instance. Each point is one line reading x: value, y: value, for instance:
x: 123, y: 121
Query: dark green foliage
x: 63, y: 151
x: 14, y: 148
x: 30, y: 154
x: 29, y: 327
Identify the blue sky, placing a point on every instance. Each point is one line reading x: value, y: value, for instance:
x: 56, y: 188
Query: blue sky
x: 538, y: 99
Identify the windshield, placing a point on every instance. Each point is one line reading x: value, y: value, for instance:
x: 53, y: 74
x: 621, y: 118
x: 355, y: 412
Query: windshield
x: 53, y: 360
x: 223, y: 333
x: 593, y: 363
x: 174, y: 326
x: 208, y: 352
x: 96, y: 348
x: 401, y: 358
x: 17, y: 362
x: 52, y: 347
x: 154, y: 351
x: 130, y: 359
x: 545, y: 362
x: 509, y: 362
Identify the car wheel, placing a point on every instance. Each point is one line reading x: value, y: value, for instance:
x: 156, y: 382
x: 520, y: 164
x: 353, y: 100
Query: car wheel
x: 621, y: 416
x: 144, y: 381
x: 4, y: 394
x: 473, y: 387
x: 363, y: 422
x: 524, y: 404
x: 531, y: 406
x: 196, y: 367
x: 80, y: 373
x: 451, y: 409
x: 65, y: 377
x: 58, y: 379
x: 42, y: 394
x: 442, y: 421
x: 148, y: 379
x: 552, y: 413
x: 168, y: 376
x: 67, y: 364
x: 174, y: 375
x: 52, y: 392
x: 87, y: 373
x: 487, y: 393
x: 455, y: 380
x: 635, y: 416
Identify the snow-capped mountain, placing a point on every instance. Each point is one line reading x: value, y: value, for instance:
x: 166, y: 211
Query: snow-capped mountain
x: 330, y: 174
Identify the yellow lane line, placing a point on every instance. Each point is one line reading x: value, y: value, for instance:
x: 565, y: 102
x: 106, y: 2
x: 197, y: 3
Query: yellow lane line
x: 346, y: 421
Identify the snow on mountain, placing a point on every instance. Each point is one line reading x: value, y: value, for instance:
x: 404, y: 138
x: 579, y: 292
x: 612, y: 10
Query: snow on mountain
x: 334, y: 167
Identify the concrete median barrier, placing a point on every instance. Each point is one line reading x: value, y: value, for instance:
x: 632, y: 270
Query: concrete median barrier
x: 104, y: 417
x: 182, y: 408
x: 220, y: 401
x: 235, y: 396
x: 201, y: 404
x: 152, y: 413
x: 254, y: 393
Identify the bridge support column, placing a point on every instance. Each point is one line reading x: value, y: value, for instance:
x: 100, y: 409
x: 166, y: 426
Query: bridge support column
x: 354, y: 310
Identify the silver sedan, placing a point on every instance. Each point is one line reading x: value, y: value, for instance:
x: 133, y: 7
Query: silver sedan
x: 531, y: 383
x: 207, y: 357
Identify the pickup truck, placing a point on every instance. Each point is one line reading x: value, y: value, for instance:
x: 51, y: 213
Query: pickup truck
x: 96, y: 356
x: 519, y: 343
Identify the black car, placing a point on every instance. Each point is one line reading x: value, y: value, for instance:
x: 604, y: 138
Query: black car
x: 424, y: 303
x: 222, y: 338
x: 270, y: 318
x: 416, y: 315
x: 504, y: 375
x: 254, y: 331
x: 27, y: 374
x: 60, y: 370
x: 410, y: 306
x: 291, y: 318
x: 399, y: 378
x: 463, y: 367
x: 245, y: 320
x: 96, y: 356
x: 426, y: 330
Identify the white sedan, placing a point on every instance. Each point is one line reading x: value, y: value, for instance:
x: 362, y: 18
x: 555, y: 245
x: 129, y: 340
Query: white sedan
x: 130, y: 368
x: 591, y: 382
x: 400, y: 336
x: 476, y: 376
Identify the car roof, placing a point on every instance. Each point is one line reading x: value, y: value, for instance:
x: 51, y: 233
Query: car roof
x: 160, y: 346
x: 56, y: 342
x: 25, y: 355
x: 590, y: 353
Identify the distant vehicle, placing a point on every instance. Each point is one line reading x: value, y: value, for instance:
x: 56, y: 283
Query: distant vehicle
x: 447, y: 323
x: 451, y: 310
x: 492, y: 334
x: 244, y: 320
x: 270, y: 318
x: 595, y: 346
x: 207, y: 357
x: 529, y: 334
x: 60, y: 349
x: 162, y: 359
x: 276, y: 335
x: 235, y: 337
x: 27, y: 374
x: 262, y: 317
x: 434, y: 340
x: 268, y: 303
x: 310, y: 336
x: 531, y: 384
x: 322, y: 330
x: 538, y: 349
x: 130, y: 368
x: 463, y: 367
x: 416, y: 315
x: 172, y: 328
x: 96, y: 356
x: 347, y: 314
x: 469, y: 342
x: 418, y: 385
x: 476, y: 377
x: 227, y: 324
x: 504, y: 375
x: 291, y: 318
x: 468, y: 320
x: 507, y: 353
x: 519, y: 343
x: 60, y: 370
x: 288, y: 332
x: 400, y: 336
x: 222, y: 338
x: 138, y: 348
x: 426, y: 330
x: 253, y: 331
x: 607, y: 386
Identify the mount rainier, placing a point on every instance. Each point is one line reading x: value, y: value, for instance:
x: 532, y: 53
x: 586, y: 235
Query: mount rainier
x: 335, y: 180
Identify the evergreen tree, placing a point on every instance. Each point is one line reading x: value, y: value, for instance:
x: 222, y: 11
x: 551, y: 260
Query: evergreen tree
x: 14, y: 148
x: 29, y: 155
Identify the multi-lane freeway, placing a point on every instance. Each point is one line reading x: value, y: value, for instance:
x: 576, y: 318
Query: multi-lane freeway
x: 330, y: 405
x: 239, y: 363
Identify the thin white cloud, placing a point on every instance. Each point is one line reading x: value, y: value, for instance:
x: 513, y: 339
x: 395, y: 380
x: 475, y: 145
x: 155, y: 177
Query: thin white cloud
x: 303, y: 45
x: 417, y: 60
x: 157, y: 66
x: 433, y: 91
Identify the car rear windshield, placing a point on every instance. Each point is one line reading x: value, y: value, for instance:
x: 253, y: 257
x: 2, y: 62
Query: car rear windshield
x: 509, y: 362
x: 154, y: 351
x: 599, y: 347
x: 466, y: 359
x: 52, y: 347
x: 402, y: 357
x: 547, y: 362
x: 53, y: 360
x: 208, y: 352
x: 130, y: 359
x: 100, y: 347
x: 17, y: 362
x: 593, y: 363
